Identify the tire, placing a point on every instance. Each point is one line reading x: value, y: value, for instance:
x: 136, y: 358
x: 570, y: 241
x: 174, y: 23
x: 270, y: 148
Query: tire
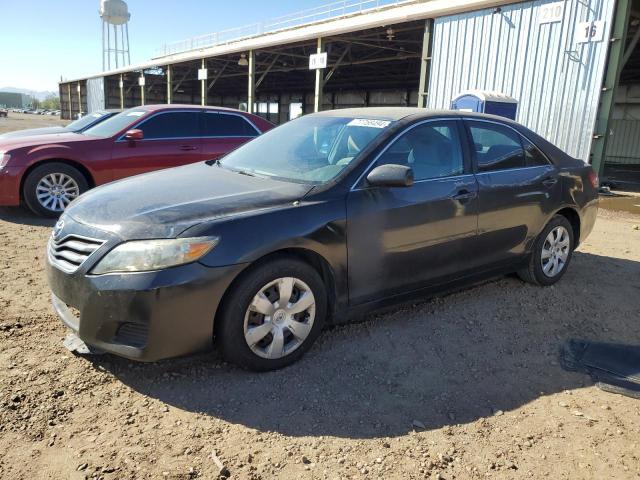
x: 71, y: 182
x: 239, y: 315
x: 535, y: 272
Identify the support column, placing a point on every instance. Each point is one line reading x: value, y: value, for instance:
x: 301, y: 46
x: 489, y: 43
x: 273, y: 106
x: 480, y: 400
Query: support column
x: 319, y: 94
x: 169, y: 86
x: 203, y: 85
x: 425, y: 63
x: 251, y: 92
x: 79, y: 99
x: 141, y: 82
x: 69, y: 97
x: 121, y: 84
x: 607, y: 97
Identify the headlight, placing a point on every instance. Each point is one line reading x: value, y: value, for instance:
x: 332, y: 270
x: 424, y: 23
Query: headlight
x: 4, y: 159
x: 145, y: 255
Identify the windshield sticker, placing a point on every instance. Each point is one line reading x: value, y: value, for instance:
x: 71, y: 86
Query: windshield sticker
x: 135, y: 114
x: 367, y: 122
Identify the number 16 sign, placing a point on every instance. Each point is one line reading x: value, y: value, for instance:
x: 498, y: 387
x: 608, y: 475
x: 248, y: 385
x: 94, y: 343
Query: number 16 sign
x: 590, y: 32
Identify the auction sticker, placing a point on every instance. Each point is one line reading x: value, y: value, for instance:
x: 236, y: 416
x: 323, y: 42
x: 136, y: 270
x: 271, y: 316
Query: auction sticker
x: 367, y: 122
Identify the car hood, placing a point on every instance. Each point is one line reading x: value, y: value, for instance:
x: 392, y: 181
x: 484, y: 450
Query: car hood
x: 38, y: 140
x: 165, y: 203
x: 34, y: 131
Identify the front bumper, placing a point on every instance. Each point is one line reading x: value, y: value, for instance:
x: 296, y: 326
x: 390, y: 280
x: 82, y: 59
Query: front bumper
x: 144, y: 316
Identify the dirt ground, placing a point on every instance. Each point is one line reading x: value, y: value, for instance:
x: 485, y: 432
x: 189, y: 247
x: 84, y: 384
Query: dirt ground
x: 463, y: 386
x: 20, y: 121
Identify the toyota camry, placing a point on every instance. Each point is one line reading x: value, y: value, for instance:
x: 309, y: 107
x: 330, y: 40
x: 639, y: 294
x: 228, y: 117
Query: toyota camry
x: 321, y: 219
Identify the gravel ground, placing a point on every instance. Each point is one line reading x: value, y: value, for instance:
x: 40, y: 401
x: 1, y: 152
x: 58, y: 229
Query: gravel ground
x: 463, y: 386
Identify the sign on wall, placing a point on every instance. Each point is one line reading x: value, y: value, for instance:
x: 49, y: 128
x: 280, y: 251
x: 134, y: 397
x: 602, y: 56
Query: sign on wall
x: 551, y: 12
x: 590, y: 32
x: 318, y: 61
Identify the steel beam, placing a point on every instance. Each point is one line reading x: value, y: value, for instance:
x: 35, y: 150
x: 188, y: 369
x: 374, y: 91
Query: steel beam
x: 203, y: 85
x: 121, y: 85
x: 69, y: 96
x: 264, y: 74
x: 607, y: 97
x: 169, y: 90
x: 425, y: 64
x: 318, y: 95
x: 216, y: 77
x: 251, y: 87
x: 337, y: 64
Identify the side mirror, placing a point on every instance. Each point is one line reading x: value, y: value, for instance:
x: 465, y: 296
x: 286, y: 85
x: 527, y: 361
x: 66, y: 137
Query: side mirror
x: 134, y: 134
x: 391, y: 176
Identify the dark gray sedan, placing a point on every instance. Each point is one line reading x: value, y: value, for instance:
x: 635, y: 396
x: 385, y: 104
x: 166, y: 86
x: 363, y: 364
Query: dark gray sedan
x: 322, y: 218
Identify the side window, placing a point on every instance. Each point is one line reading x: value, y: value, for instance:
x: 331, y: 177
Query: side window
x: 224, y: 125
x: 432, y: 150
x: 171, y: 125
x: 533, y: 156
x: 496, y: 147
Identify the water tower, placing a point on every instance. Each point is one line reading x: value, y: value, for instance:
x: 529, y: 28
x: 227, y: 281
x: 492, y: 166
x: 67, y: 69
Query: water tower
x: 115, y: 45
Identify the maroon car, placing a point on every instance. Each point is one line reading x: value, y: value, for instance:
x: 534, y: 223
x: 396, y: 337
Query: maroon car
x: 49, y: 171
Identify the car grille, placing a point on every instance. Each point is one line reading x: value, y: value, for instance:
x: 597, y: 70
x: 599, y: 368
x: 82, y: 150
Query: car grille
x: 71, y: 251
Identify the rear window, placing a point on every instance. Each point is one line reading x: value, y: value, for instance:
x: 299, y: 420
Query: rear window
x: 226, y: 125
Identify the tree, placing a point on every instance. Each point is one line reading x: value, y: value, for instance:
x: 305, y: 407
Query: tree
x: 52, y: 102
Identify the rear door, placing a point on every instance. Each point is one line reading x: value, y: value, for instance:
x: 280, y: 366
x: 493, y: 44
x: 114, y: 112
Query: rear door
x: 518, y: 189
x: 171, y: 138
x: 223, y: 132
x: 400, y: 239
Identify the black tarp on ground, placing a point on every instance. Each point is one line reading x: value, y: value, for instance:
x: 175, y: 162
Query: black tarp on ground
x: 613, y: 367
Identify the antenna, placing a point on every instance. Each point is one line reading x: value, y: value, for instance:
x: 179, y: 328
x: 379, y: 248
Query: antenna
x: 115, y: 13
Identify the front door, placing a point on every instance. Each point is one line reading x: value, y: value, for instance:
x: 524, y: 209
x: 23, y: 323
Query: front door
x: 170, y: 139
x: 402, y: 238
x: 518, y: 190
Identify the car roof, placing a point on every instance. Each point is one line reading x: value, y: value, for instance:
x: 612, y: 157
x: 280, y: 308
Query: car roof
x: 399, y: 113
x: 180, y: 106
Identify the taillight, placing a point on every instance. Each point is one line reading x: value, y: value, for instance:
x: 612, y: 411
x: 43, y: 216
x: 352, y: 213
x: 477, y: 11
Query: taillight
x: 593, y: 179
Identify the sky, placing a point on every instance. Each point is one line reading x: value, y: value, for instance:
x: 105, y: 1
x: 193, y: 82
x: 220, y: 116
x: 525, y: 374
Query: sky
x: 42, y: 40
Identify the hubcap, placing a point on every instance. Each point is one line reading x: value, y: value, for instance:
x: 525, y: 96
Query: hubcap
x: 56, y: 190
x: 555, y: 251
x: 279, y: 318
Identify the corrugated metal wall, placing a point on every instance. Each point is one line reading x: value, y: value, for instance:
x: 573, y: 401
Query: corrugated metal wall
x: 556, y: 80
x: 624, y: 145
x: 95, y: 94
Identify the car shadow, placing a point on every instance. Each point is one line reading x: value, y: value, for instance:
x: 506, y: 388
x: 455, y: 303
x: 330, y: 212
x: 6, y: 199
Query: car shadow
x: 22, y: 216
x: 449, y: 360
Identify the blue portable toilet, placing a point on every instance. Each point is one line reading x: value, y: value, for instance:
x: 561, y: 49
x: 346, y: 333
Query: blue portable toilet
x: 485, y: 101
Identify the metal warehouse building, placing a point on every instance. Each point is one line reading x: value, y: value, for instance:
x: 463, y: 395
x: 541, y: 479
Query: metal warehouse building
x: 572, y: 65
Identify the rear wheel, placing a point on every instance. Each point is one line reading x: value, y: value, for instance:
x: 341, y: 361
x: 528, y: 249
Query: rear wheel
x: 551, y: 254
x: 272, y: 316
x: 50, y: 188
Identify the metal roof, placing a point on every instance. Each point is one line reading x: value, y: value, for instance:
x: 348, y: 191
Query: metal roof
x: 400, y: 13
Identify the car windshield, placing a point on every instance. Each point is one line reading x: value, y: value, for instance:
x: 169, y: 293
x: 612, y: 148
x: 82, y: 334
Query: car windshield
x: 113, y: 125
x: 85, y: 121
x: 313, y: 149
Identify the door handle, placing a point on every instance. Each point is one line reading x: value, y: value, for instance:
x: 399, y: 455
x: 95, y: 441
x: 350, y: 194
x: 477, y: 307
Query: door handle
x: 549, y: 181
x: 464, y: 196
x: 188, y: 147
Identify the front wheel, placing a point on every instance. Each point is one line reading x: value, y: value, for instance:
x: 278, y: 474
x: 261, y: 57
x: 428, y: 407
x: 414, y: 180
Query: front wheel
x: 272, y: 316
x: 50, y: 188
x: 551, y: 254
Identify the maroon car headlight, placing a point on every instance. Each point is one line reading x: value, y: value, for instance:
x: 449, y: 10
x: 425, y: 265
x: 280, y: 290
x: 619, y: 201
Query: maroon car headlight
x: 148, y: 255
x: 4, y: 159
